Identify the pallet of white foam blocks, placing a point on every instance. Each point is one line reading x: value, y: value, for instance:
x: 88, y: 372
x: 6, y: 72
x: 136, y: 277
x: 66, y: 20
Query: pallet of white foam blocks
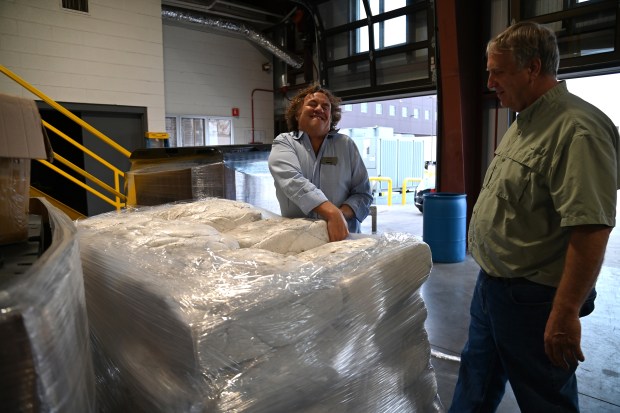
x: 217, y: 306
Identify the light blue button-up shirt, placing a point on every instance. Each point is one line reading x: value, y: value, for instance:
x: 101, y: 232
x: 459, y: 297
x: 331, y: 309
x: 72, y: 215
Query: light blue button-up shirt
x: 304, y: 180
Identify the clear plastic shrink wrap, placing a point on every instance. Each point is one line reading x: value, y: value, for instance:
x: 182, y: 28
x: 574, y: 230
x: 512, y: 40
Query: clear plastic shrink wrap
x: 45, y: 355
x: 209, y: 307
x: 238, y: 172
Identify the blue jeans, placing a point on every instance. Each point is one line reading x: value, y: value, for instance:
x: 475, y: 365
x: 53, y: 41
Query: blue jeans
x: 508, y: 319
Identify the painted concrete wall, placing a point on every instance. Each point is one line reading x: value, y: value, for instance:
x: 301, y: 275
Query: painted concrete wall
x: 207, y: 74
x: 111, y: 55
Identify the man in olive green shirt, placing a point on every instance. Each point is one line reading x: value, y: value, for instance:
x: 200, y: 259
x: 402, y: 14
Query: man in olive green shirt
x: 538, y: 231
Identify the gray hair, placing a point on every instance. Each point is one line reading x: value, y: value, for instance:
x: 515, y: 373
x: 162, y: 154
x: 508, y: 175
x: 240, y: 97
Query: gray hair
x: 527, y: 41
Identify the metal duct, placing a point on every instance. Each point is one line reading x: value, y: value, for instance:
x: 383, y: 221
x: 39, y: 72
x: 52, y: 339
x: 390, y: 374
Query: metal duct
x: 231, y: 26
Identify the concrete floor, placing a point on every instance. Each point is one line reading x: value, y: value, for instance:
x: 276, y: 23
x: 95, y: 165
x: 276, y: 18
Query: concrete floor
x: 447, y: 294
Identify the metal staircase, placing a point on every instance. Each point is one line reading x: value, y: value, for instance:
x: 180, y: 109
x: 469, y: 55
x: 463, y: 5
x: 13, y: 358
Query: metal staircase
x: 113, y: 195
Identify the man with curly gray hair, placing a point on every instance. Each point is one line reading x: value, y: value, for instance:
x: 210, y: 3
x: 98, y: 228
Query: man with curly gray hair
x: 318, y: 172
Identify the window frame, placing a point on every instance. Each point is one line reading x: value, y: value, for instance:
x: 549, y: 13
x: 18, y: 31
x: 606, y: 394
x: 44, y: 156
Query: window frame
x: 409, y: 49
x: 177, y: 133
x: 605, y: 62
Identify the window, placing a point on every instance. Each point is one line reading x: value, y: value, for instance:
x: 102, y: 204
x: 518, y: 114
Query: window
x: 192, y: 132
x: 220, y: 132
x: 378, y: 109
x: 427, y: 115
x: 171, y: 129
x: 387, y: 46
x: 416, y: 113
x: 403, y: 112
x: 392, y: 110
x: 348, y: 108
x: 386, y: 33
x: 199, y: 131
x: 77, y: 5
x: 364, y: 107
x: 587, y: 31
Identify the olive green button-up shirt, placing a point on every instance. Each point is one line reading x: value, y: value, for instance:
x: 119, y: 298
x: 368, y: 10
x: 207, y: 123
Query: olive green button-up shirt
x: 556, y: 167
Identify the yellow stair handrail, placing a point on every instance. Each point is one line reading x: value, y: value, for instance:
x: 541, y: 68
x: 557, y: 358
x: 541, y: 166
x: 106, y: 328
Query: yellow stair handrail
x: 83, y: 149
x: 78, y: 182
x: 120, y: 199
x: 89, y: 176
x: 64, y: 111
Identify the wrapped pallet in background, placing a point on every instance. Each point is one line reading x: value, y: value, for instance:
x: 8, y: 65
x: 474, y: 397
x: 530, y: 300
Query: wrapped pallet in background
x: 235, y: 172
x: 207, y: 306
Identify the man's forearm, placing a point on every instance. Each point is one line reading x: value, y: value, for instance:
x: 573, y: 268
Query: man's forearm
x: 584, y: 257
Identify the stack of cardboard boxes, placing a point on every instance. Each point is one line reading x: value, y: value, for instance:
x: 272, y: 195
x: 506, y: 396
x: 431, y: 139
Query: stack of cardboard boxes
x: 22, y: 138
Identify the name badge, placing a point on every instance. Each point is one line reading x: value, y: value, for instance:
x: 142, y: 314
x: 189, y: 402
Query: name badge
x: 329, y: 160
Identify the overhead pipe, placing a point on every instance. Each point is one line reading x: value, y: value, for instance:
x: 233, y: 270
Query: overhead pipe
x: 208, y: 9
x: 252, y: 110
x: 230, y: 26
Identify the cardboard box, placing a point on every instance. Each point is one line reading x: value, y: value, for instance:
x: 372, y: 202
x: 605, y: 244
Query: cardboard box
x: 236, y: 172
x: 22, y: 138
x: 170, y: 182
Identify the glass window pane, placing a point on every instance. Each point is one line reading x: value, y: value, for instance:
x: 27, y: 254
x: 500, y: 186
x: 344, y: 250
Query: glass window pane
x: 419, y: 28
x: 390, y: 5
x: 536, y: 8
x: 374, y: 8
x: 220, y: 131
x: 349, y: 76
x: 171, y: 129
x: 539, y: 7
x: 395, y: 31
x: 400, y: 30
x: 403, y: 67
x: 193, y: 131
x: 362, y: 39
x: 339, y: 45
x: 336, y: 13
x: 589, y: 34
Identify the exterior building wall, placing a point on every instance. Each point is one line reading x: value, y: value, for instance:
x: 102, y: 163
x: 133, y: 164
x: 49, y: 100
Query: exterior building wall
x: 399, y: 114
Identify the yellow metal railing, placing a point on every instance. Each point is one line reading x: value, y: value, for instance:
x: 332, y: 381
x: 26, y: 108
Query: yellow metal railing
x: 120, y: 199
x: 404, y: 188
x: 384, y: 179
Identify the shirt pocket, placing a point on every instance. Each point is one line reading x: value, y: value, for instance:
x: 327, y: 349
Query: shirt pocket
x: 509, y: 180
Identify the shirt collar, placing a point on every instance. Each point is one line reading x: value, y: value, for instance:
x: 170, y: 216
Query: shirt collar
x: 299, y: 134
x: 551, y: 95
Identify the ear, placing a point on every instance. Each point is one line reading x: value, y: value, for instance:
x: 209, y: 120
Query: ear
x: 535, y: 67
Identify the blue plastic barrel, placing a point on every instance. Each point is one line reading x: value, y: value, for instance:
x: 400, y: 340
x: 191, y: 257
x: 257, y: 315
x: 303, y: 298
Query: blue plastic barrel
x: 444, y: 223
